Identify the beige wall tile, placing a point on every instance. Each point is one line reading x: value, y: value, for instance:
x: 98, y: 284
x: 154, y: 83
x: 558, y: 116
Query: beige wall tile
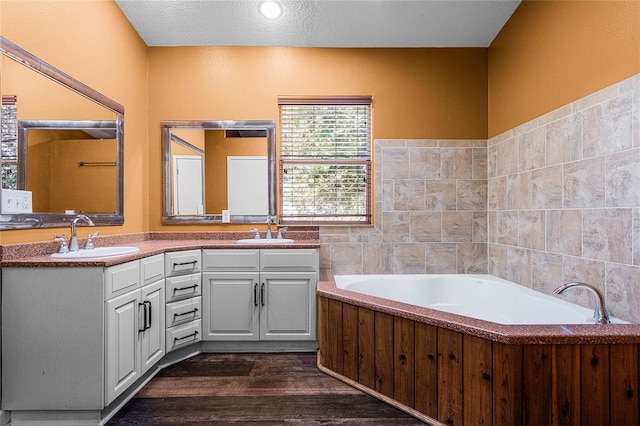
x: 408, y: 194
x: 394, y: 163
x: 507, y: 158
x: 424, y: 163
x: 440, y: 195
x: 564, y: 232
x: 497, y: 193
x: 623, y: 179
x: 607, y: 235
x: 607, y: 126
x: 346, y: 258
x: 409, y: 258
x: 531, y: 149
x: 472, y: 195
x: 425, y: 226
x: 457, y: 227
x: 546, y: 188
x: 395, y: 226
x: 507, y: 227
x: 472, y: 258
x: 623, y: 291
x: 564, y: 140
x: 441, y: 258
x: 546, y: 271
x: 519, y: 191
x: 456, y: 163
x: 531, y: 229
x: 519, y: 266
x: 583, y: 183
x: 479, y: 163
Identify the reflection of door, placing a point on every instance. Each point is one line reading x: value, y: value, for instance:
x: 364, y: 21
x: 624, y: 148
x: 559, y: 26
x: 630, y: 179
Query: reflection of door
x: 188, y: 193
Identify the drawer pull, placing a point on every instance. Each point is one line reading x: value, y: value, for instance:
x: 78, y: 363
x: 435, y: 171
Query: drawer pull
x: 192, y: 262
x: 194, y: 312
x: 262, y: 294
x: 185, y: 288
x: 194, y: 335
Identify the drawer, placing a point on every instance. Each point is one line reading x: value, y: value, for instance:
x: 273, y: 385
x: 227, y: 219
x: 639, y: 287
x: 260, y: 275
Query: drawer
x: 183, y: 311
x: 183, y: 335
x: 122, y: 278
x: 289, y: 260
x: 183, y: 287
x: 231, y: 260
x: 182, y: 262
x: 151, y: 269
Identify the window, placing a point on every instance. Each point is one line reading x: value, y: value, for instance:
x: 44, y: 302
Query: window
x: 325, y: 160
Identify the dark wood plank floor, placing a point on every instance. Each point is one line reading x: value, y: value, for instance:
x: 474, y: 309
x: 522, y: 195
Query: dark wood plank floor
x: 266, y: 389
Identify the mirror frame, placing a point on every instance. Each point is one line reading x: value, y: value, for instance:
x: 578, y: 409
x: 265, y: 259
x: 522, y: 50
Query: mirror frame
x: 206, y: 219
x: 51, y: 220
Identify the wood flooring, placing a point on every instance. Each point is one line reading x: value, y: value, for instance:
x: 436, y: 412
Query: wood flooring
x: 252, y: 389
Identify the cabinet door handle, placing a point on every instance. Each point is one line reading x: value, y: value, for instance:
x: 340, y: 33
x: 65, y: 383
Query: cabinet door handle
x: 262, y: 294
x: 185, y: 288
x: 147, y: 301
x: 255, y: 294
x: 144, y: 321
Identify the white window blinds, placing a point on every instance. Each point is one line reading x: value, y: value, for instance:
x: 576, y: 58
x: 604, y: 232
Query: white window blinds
x: 325, y: 160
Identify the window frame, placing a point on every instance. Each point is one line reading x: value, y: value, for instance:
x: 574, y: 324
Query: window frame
x: 367, y: 215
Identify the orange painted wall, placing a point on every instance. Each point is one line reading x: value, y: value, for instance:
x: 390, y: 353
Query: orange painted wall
x: 551, y: 53
x: 417, y: 93
x: 93, y: 42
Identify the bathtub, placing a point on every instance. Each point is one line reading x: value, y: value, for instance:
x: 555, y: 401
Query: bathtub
x: 483, y: 297
x: 476, y: 349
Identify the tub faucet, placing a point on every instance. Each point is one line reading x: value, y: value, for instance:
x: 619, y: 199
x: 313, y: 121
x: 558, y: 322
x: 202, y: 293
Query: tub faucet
x: 600, y: 313
x: 73, y: 242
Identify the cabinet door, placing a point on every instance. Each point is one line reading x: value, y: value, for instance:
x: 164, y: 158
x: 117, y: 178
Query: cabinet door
x: 231, y: 306
x: 153, y: 339
x: 122, y: 346
x: 288, y: 310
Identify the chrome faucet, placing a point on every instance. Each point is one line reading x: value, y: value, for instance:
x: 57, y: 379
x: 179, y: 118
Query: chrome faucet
x: 600, y: 313
x: 269, y: 219
x: 73, y: 242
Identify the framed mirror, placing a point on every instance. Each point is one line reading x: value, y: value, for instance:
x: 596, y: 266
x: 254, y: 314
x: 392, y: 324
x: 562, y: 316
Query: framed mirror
x: 62, y: 146
x: 218, y: 171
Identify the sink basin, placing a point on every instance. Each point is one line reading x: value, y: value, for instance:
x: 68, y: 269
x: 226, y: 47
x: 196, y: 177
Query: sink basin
x: 96, y: 252
x: 266, y: 241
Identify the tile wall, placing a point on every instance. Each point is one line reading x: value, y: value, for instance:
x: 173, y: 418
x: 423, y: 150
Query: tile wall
x: 551, y: 201
x: 564, y: 199
x: 430, y: 212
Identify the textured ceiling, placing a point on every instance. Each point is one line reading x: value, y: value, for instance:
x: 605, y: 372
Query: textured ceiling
x: 320, y: 23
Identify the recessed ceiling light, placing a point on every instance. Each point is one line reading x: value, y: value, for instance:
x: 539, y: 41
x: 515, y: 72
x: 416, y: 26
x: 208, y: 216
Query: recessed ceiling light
x: 270, y: 9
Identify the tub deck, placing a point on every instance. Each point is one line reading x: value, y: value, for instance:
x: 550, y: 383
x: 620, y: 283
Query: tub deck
x: 449, y: 369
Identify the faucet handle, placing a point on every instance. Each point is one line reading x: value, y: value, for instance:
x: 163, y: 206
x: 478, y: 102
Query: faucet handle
x: 89, y: 244
x: 280, y: 231
x: 257, y: 236
x: 63, y: 243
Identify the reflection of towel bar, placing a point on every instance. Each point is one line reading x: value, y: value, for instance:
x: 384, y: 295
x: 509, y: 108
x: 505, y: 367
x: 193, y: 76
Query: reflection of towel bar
x: 97, y: 163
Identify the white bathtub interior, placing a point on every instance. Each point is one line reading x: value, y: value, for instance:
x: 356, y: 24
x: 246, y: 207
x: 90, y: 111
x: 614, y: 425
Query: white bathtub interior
x: 484, y: 297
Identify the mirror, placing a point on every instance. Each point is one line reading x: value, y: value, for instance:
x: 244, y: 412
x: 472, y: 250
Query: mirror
x: 62, y: 142
x: 218, y: 171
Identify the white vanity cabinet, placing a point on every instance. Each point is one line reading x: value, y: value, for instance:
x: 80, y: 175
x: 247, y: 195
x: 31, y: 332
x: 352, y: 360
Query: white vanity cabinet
x: 183, y: 310
x: 267, y: 294
x: 135, y: 328
x: 74, y: 338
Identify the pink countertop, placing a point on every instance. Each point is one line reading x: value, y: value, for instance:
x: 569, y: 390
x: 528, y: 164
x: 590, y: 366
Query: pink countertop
x: 502, y: 333
x: 39, y: 254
